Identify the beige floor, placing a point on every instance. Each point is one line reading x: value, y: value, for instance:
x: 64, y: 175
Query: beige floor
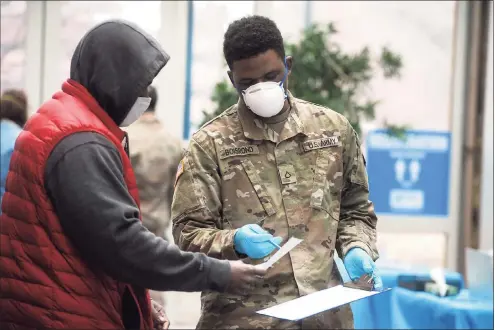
x: 183, y: 308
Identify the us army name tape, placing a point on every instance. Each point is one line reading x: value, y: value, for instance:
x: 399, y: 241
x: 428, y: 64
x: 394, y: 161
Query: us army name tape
x: 332, y: 141
x: 239, y: 151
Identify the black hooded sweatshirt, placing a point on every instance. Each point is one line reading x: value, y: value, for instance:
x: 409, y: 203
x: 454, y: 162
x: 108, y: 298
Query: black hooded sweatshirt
x: 115, y: 62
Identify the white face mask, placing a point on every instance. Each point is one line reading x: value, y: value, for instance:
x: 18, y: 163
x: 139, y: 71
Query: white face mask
x: 140, y: 106
x: 266, y: 99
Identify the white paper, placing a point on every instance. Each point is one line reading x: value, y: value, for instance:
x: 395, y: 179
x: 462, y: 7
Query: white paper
x: 317, y: 302
x: 291, y: 243
x: 438, y: 276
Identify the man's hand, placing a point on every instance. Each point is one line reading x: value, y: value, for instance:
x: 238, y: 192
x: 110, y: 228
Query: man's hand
x: 357, y: 263
x: 160, y: 320
x: 244, y: 277
x: 255, y: 242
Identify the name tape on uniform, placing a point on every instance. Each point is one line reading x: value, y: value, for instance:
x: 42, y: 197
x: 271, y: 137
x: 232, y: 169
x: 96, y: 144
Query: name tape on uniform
x: 326, y: 142
x: 239, y: 151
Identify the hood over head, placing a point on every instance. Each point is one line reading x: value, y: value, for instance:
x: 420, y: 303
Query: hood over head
x: 116, y: 61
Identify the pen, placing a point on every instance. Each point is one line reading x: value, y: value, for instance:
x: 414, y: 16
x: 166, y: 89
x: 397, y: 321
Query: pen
x: 271, y: 242
x: 275, y: 244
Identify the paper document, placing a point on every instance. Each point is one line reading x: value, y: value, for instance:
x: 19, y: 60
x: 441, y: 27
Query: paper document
x: 317, y: 302
x: 291, y: 243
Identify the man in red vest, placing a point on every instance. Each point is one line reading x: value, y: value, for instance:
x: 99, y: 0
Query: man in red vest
x: 73, y: 251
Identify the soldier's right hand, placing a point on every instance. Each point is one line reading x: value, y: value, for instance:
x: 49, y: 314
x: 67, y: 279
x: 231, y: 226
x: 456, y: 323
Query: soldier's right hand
x: 244, y: 277
x: 254, y: 241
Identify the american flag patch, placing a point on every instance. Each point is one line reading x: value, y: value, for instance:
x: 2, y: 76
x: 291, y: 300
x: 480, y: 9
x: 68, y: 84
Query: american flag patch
x: 180, y: 170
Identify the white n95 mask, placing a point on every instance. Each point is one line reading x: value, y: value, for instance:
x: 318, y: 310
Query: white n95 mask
x: 266, y: 99
x: 138, y: 108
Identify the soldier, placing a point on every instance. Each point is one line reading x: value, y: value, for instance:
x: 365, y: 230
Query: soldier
x: 155, y: 155
x: 277, y: 162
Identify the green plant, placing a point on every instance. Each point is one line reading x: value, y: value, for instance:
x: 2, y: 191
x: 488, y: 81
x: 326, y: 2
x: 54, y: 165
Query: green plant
x: 326, y: 75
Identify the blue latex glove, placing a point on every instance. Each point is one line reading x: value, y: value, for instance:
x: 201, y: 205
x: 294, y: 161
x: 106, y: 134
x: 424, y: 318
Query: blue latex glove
x: 357, y: 263
x: 254, y: 241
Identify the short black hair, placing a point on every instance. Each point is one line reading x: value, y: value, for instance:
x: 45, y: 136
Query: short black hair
x: 154, y: 97
x: 251, y: 36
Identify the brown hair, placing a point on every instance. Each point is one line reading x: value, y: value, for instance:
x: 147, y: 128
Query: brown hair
x: 14, y: 106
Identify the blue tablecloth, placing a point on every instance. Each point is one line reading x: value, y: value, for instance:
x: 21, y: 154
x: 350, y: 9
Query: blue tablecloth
x: 404, y: 309
x: 420, y: 310
x: 390, y: 276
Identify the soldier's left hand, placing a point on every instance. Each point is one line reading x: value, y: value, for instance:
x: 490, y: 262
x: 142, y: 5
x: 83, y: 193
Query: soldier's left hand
x: 357, y: 263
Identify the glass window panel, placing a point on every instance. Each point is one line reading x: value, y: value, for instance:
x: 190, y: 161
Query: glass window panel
x: 211, y: 19
x: 13, y: 44
x: 422, y: 33
x: 77, y: 17
x: 290, y: 18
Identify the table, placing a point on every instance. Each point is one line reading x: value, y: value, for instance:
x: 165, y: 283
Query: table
x: 404, y: 309
x: 420, y: 310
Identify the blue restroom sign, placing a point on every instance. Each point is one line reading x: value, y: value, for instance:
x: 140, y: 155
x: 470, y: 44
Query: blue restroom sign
x: 409, y: 176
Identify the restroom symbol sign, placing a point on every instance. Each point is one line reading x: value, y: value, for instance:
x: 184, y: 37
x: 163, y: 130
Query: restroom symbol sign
x: 410, y: 175
x: 407, y: 172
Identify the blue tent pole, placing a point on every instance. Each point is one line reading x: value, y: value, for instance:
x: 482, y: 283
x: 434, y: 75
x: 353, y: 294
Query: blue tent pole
x: 189, y: 59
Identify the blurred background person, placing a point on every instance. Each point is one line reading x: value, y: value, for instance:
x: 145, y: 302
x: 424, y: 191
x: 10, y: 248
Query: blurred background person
x: 13, y: 115
x: 155, y: 155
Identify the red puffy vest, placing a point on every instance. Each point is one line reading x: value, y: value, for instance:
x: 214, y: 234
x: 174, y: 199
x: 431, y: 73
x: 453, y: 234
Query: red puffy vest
x: 44, y: 283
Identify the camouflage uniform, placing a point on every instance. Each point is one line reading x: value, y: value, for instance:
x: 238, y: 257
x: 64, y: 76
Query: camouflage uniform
x: 154, y: 156
x: 309, y: 182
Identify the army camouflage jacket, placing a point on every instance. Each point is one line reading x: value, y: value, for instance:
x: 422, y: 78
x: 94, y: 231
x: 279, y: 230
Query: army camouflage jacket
x: 155, y: 155
x: 309, y: 182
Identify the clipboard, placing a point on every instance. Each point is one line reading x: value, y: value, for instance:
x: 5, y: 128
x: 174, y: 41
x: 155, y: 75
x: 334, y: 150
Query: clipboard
x: 365, y: 283
x: 317, y: 302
